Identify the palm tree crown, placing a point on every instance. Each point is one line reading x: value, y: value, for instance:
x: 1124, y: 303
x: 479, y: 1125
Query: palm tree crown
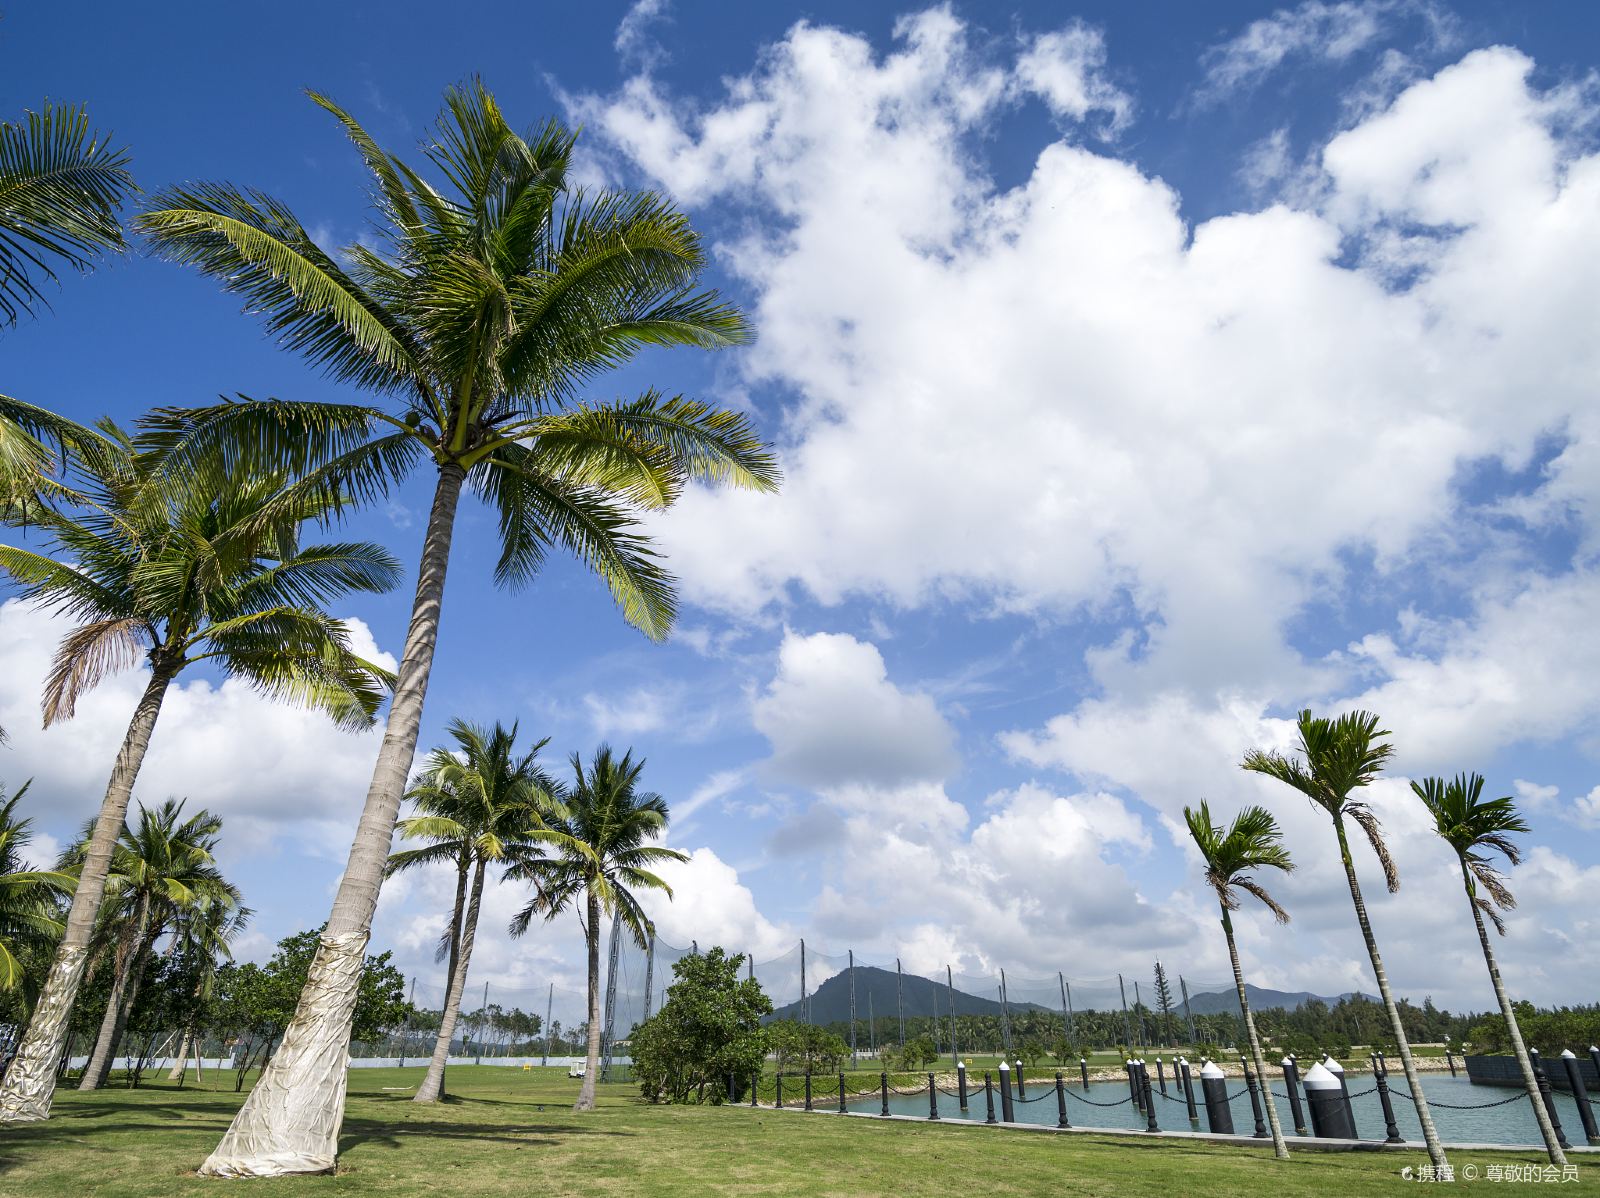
x: 148, y: 568
x: 1233, y: 854
x: 28, y: 910
x: 605, y: 850
x: 60, y: 186
x: 489, y: 302
x: 1475, y: 827
x: 1336, y: 758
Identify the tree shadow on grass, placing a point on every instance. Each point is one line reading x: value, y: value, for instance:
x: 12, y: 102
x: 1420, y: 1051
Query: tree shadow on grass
x: 387, y: 1134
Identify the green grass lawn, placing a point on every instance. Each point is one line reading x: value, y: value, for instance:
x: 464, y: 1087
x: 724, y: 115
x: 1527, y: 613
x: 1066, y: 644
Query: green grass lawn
x: 509, y: 1132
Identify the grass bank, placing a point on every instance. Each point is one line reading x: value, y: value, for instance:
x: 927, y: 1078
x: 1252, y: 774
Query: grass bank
x: 507, y: 1132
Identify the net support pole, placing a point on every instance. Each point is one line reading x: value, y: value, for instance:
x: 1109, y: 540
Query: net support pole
x: 950, y: 981
x: 649, y: 971
x: 1066, y: 1016
x: 608, y: 1030
x: 1127, y: 1020
x: 1005, y: 1014
x: 549, y: 1012
x: 1188, y: 1015
x: 805, y: 1007
x: 852, y: 968
x: 900, y: 999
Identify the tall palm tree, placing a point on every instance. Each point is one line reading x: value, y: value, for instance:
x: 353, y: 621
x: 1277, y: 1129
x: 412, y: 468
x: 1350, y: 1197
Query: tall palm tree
x: 481, y: 804
x: 1336, y: 758
x: 1232, y: 855
x: 164, y: 865
x: 153, y: 568
x: 491, y: 301
x: 1475, y: 827
x: 61, y: 184
x: 28, y: 897
x: 605, y: 851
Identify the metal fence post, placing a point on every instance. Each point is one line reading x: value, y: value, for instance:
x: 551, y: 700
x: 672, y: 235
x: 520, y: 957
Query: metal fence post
x: 1007, y: 1113
x: 933, y: 1098
x: 883, y: 1081
x: 1549, y: 1097
x: 1580, y: 1094
x: 1380, y: 1078
x: 1061, y: 1101
x: 988, y: 1095
x: 1255, y: 1099
x: 1291, y: 1083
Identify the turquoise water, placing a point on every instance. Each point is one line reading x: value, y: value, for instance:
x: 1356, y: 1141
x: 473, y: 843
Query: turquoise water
x: 1509, y: 1123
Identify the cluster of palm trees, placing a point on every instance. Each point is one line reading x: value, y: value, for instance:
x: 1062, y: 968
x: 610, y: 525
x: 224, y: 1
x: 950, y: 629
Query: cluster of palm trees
x: 584, y: 845
x: 495, y: 294
x: 1335, y: 759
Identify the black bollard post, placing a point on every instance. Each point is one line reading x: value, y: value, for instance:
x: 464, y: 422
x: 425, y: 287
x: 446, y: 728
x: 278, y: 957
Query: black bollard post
x: 1161, y: 1075
x: 1549, y: 1097
x: 1450, y: 1060
x: 1330, y: 1116
x: 1007, y: 1111
x: 1061, y: 1101
x: 1291, y: 1079
x: 1337, y: 1070
x: 933, y: 1098
x: 755, y: 1090
x: 777, y: 1101
x: 841, y: 1093
x: 808, y: 1089
x: 1255, y: 1099
x: 1149, y: 1099
x: 988, y: 1095
x: 961, y: 1083
x: 1214, y: 1085
x: 732, y: 1098
x: 1594, y: 1055
x: 1188, y: 1093
x: 1133, y: 1084
x: 1580, y: 1094
x: 1083, y: 1071
x: 1022, y: 1089
x: 883, y: 1083
x: 1380, y: 1078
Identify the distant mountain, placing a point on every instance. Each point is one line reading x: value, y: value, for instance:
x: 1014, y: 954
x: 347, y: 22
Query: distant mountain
x: 1226, y: 1002
x: 830, y: 1002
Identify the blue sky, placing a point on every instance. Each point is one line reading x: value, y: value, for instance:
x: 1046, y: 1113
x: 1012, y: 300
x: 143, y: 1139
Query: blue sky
x: 1142, y: 374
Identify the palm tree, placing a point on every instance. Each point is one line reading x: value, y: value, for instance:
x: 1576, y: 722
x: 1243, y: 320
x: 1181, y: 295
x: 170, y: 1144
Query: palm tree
x: 203, y: 935
x: 604, y: 852
x: 163, y: 865
x: 1336, y: 758
x: 1232, y: 856
x: 1476, y: 827
x: 155, y: 569
x: 480, y: 804
x: 491, y: 301
x: 61, y: 184
x: 28, y: 907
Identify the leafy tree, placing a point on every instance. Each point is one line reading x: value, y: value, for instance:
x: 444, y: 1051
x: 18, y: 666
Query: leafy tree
x: 481, y: 803
x: 600, y: 850
x: 493, y: 299
x: 61, y: 184
x: 1475, y: 827
x: 29, y: 914
x: 708, y: 1029
x: 805, y: 1048
x: 1335, y: 759
x: 202, y: 941
x: 1232, y: 855
x: 156, y: 569
x: 256, y: 1003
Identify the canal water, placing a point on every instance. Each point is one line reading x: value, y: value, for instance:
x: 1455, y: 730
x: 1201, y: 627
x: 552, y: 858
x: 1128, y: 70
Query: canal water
x: 1509, y: 1122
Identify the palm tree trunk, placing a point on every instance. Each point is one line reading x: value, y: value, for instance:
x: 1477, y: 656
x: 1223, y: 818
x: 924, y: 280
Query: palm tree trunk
x: 29, y: 1084
x: 129, y: 959
x: 129, y: 997
x: 432, y: 1087
x: 290, y: 1122
x: 591, y: 933
x: 1280, y: 1148
x: 175, y: 1074
x: 1552, y: 1145
x: 1414, y: 1083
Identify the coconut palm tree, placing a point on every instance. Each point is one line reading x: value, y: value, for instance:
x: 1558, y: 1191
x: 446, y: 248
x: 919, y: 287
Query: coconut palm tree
x: 153, y: 569
x: 492, y: 300
x: 164, y: 865
x: 28, y: 897
x: 1475, y: 827
x: 1335, y: 759
x: 481, y: 804
x: 606, y: 854
x: 1232, y: 855
x: 61, y: 184
x: 203, y: 936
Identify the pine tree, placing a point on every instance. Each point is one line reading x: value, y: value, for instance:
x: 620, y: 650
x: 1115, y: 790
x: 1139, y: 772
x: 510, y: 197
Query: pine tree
x: 1164, y: 1003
